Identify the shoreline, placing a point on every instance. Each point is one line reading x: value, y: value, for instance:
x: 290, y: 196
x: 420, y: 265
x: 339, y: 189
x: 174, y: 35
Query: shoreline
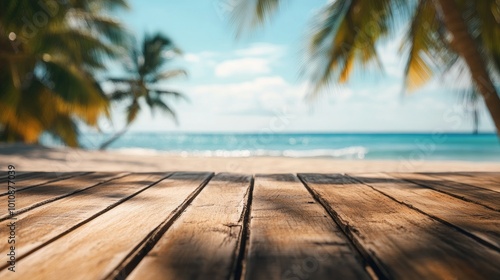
x: 40, y: 158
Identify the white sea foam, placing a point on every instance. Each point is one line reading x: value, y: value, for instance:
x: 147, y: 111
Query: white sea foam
x: 138, y: 151
x: 354, y: 152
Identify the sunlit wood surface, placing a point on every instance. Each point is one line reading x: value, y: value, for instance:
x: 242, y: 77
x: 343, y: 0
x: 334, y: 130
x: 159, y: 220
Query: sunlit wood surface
x: 185, y: 225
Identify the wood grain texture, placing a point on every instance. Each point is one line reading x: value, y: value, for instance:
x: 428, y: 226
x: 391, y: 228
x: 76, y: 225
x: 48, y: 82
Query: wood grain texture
x: 473, y: 219
x: 94, y: 249
x: 403, y: 242
x: 202, y: 243
x: 411, y: 226
x: 34, y: 197
x: 485, y: 197
x: 34, y: 179
x: 37, y: 227
x: 18, y: 174
x: 293, y: 237
x: 493, y: 176
x: 482, y: 180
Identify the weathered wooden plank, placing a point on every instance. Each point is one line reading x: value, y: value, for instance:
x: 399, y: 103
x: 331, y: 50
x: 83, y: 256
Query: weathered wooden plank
x: 403, y: 242
x: 478, y: 180
x: 18, y: 174
x: 492, y: 176
x: 94, y: 249
x: 35, y: 179
x: 485, y: 197
x: 203, y: 242
x: 34, y: 197
x: 23, y: 176
x: 48, y: 222
x: 293, y: 237
x: 472, y: 219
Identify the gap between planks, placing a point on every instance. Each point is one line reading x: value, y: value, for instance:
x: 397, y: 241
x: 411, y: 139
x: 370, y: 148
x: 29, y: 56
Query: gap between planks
x: 293, y: 237
x: 205, y: 239
x: 473, y: 220
x: 479, y: 180
x: 132, y: 260
x: 485, y: 197
x: 33, y: 179
x: 35, y: 197
x: 391, y: 234
x: 242, y: 250
x: 43, y: 225
x: 95, y: 248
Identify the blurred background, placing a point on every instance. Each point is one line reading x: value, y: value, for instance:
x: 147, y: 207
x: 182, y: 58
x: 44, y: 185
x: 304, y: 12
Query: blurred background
x: 229, y: 78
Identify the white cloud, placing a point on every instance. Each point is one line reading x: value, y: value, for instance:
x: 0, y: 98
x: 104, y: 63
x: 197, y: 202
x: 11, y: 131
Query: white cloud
x: 261, y: 49
x: 260, y: 96
x: 256, y: 59
x: 200, y: 57
x: 192, y: 57
x: 243, y: 66
x: 256, y: 86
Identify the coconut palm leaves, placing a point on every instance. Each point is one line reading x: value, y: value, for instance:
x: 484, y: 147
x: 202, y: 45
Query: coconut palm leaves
x: 247, y: 14
x: 423, y: 42
x: 49, y: 54
x: 442, y: 35
x: 468, y: 45
x: 345, y: 32
x: 146, y: 70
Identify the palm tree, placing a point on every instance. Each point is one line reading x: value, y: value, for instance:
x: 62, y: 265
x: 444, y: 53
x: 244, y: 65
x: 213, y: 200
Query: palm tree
x: 442, y: 34
x: 50, y: 52
x: 146, y: 70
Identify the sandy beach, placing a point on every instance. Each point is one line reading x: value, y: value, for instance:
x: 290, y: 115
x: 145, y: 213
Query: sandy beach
x: 39, y: 158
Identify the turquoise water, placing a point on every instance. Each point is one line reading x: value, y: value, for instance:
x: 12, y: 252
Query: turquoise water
x: 484, y: 147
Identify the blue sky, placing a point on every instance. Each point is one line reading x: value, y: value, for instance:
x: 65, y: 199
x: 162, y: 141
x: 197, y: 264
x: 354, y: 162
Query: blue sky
x: 252, y: 83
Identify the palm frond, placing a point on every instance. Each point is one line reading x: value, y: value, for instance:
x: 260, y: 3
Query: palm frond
x: 153, y: 49
x: 247, y: 14
x: 122, y: 80
x: 265, y: 8
x: 149, y: 100
x: 81, y: 47
x: 422, y: 43
x: 133, y: 111
x: 119, y: 95
x: 175, y: 94
x: 157, y: 103
x: 102, y: 26
x: 96, y: 5
x: 346, y: 31
x: 54, y: 68
x: 486, y: 27
x: 166, y: 75
x: 64, y: 128
x: 69, y: 83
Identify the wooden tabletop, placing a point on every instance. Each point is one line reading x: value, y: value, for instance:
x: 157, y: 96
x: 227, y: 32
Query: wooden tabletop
x: 185, y: 225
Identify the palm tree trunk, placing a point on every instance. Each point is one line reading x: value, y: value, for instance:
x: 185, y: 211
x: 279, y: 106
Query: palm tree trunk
x: 464, y: 45
x: 115, y: 137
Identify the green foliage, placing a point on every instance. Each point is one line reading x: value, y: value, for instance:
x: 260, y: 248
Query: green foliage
x: 146, y: 69
x: 346, y: 33
x: 49, y: 54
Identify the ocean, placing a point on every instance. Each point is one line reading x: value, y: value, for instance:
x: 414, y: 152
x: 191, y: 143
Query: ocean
x: 414, y: 147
